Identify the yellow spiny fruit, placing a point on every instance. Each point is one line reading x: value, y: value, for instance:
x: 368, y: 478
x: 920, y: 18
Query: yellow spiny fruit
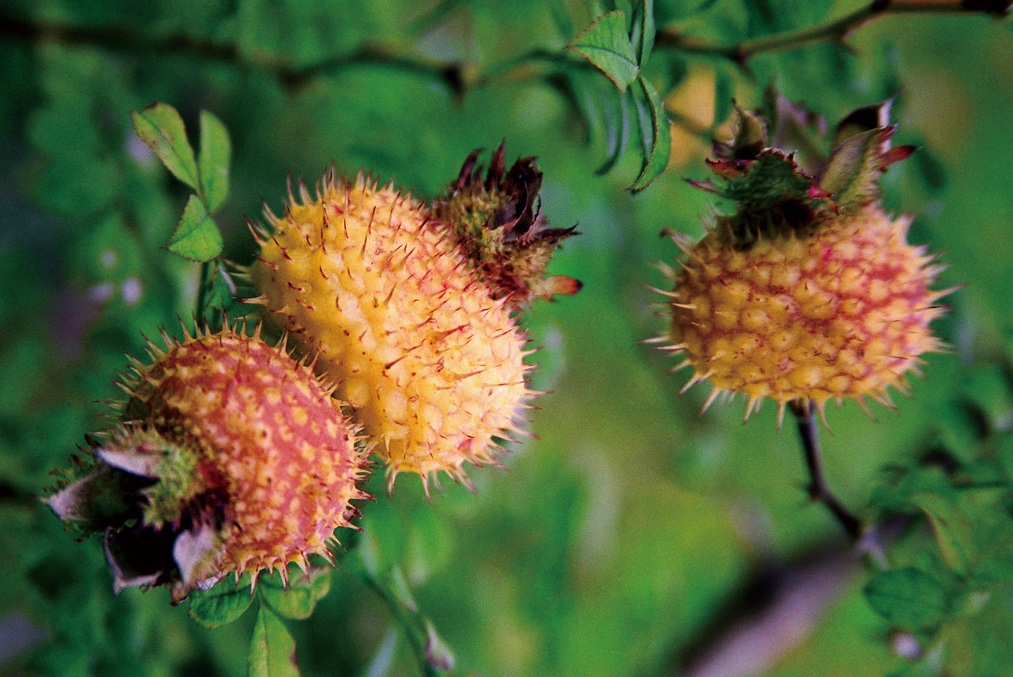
x: 367, y: 278
x: 842, y: 313
x: 809, y: 291
x: 230, y: 458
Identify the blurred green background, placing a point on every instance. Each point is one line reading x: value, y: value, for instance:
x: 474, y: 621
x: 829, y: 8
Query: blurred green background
x: 632, y: 535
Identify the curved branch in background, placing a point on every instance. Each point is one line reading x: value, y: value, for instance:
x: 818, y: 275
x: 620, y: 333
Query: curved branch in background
x: 836, y: 30
x: 454, y: 74
x: 124, y: 39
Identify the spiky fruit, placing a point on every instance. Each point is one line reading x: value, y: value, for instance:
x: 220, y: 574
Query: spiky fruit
x: 809, y: 291
x: 367, y: 278
x: 230, y: 458
x: 498, y: 225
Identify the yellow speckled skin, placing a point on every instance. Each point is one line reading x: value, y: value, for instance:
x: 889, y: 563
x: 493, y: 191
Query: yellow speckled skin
x: 269, y: 440
x: 841, y: 313
x: 432, y: 364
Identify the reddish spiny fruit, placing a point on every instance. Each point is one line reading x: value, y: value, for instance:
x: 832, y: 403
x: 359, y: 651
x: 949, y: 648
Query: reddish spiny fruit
x: 432, y: 362
x: 809, y: 291
x: 230, y: 458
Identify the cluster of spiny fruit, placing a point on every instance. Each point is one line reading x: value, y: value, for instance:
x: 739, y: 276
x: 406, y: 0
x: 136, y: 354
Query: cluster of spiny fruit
x: 234, y: 456
x: 401, y: 339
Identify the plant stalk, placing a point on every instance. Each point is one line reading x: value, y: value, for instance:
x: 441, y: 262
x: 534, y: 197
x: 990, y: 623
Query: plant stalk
x: 818, y: 488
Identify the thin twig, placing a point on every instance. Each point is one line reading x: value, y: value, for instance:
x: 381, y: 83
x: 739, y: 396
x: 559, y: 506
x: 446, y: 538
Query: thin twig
x: 127, y: 39
x: 835, y: 30
x: 818, y: 488
x: 454, y: 74
x: 405, y: 617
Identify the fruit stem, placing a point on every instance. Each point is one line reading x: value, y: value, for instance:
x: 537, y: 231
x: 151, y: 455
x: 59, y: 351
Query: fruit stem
x: 202, y: 291
x: 818, y: 489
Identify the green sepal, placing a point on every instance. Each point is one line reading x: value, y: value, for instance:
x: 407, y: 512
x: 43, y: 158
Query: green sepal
x: 851, y: 174
x: 764, y: 183
x: 178, y: 482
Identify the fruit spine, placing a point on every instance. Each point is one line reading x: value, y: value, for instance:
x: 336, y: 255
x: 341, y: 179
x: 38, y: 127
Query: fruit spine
x: 809, y: 291
x: 230, y: 458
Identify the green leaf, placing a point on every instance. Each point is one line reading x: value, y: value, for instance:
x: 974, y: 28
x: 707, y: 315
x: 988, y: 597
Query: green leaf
x: 301, y: 597
x: 643, y: 30
x: 654, y: 132
x: 197, y: 237
x: 219, y: 294
x: 617, y: 130
x: 606, y: 45
x: 908, y: 598
x: 953, y: 531
x: 161, y: 128
x: 272, y: 649
x: 213, y: 162
x: 904, y: 481
x: 723, y: 99
x: 221, y: 604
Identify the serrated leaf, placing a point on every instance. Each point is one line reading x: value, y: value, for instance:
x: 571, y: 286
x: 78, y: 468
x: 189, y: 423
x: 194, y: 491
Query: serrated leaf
x: 221, y: 604
x: 272, y: 649
x: 161, y: 128
x: 655, y: 133
x: 908, y: 598
x: 213, y: 161
x: 606, y: 45
x: 301, y: 597
x: 196, y: 237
